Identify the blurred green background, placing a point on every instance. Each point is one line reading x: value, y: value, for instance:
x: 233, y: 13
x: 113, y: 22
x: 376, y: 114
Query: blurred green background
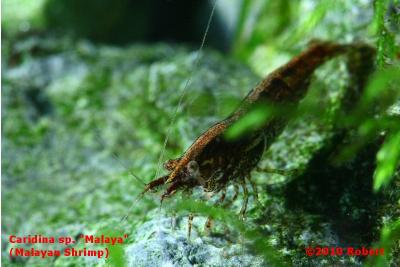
x: 89, y: 89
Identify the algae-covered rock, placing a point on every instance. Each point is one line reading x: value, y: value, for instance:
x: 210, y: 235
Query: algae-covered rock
x: 84, y: 125
x: 163, y: 242
x: 68, y: 108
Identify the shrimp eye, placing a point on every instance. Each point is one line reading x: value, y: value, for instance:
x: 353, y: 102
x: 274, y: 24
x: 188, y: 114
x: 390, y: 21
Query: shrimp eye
x: 193, y: 167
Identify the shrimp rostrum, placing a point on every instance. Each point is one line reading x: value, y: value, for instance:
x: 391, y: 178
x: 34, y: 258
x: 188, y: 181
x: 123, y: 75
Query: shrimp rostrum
x: 213, y: 161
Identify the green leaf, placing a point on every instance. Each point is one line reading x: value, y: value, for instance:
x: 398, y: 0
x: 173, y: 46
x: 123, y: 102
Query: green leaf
x: 390, y: 234
x: 311, y: 21
x: 379, y: 89
x: 252, y: 120
x: 388, y: 159
x: 386, y: 46
x: 382, y: 91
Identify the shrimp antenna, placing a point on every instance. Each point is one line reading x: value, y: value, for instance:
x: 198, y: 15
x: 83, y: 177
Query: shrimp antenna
x: 125, y: 217
x: 116, y: 157
x: 188, y: 81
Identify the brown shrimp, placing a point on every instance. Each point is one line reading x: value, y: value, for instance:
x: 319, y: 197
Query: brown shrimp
x: 213, y: 162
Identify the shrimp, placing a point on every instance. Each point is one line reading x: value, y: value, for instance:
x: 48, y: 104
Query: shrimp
x: 213, y: 162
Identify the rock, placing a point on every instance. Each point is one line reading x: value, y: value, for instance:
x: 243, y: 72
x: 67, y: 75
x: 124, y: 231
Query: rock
x: 157, y: 243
